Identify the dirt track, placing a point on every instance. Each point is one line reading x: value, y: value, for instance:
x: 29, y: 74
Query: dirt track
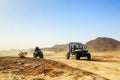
x: 56, y: 67
x: 14, y: 68
x: 103, y: 64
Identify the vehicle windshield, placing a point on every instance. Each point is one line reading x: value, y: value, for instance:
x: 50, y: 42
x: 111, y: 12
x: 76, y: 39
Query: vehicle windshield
x: 77, y: 46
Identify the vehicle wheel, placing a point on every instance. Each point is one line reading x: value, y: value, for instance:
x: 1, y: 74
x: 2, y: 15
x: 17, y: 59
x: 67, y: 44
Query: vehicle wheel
x: 34, y: 56
x: 77, y: 56
x: 88, y: 56
x: 41, y: 55
x: 68, y: 55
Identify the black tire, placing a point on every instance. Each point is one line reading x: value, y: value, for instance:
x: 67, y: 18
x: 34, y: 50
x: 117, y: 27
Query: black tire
x: 77, y: 56
x: 41, y: 55
x: 68, y: 55
x: 34, y: 56
x: 88, y: 56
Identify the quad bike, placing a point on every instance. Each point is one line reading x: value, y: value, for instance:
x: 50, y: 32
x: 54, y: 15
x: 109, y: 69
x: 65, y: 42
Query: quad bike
x: 79, y: 50
x: 38, y: 54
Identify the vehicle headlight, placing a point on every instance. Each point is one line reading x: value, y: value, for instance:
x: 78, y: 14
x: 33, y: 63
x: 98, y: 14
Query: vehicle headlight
x: 76, y: 50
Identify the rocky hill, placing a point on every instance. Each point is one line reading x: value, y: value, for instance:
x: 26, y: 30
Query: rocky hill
x: 98, y: 44
x: 62, y: 46
x: 103, y: 44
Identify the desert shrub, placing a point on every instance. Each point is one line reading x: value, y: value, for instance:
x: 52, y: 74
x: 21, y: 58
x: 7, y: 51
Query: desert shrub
x: 22, y: 54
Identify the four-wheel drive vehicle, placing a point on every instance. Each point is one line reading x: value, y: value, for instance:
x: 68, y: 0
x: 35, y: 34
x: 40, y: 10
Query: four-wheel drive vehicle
x: 79, y: 50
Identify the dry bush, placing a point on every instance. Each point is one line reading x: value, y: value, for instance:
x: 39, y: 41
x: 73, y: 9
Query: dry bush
x: 22, y: 54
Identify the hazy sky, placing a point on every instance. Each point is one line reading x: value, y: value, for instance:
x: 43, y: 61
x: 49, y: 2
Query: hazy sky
x: 29, y: 23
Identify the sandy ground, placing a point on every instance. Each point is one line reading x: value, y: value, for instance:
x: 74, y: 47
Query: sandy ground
x: 103, y: 66
x: 106, y: 64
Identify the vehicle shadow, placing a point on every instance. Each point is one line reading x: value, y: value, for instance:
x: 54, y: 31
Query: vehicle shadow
x: 99, y: 60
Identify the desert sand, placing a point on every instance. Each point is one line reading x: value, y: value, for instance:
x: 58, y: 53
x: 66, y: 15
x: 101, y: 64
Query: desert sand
x: 55, y: 66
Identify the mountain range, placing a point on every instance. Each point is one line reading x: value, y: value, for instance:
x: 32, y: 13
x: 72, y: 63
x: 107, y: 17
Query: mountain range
x: 98, y: 44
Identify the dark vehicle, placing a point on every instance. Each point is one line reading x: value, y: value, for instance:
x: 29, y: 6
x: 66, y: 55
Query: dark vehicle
x: 79, y: 50
x: 37, y: 53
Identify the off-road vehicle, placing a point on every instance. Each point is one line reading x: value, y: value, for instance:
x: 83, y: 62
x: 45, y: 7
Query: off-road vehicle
x: 79, y: 50
x: 38, y: 53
